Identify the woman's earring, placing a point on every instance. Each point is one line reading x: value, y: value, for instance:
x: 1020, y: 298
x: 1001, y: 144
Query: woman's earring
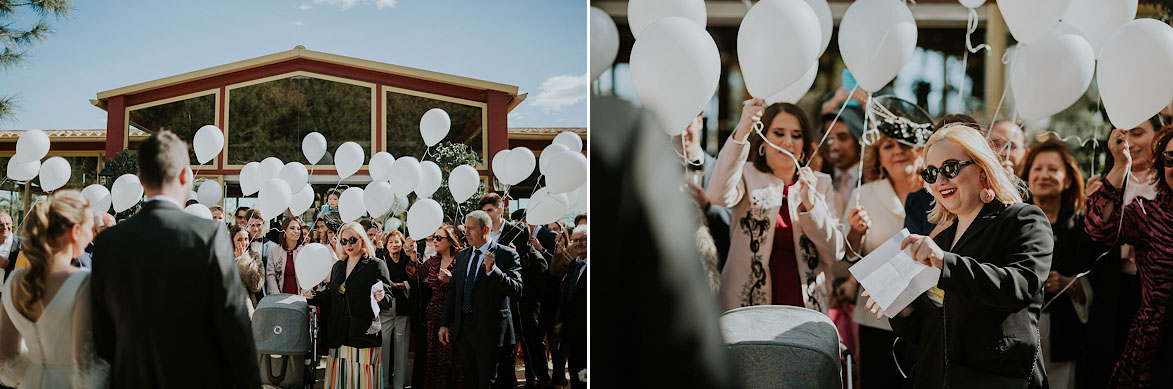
x: 987, y: 195
x: 761, y: 149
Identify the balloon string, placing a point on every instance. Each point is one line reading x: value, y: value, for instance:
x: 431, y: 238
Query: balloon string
x: 870, y: 136
x: 971, y: 27
x: 747, y: 3
x: 1005, y: 86
x: 684, y: 159
x: 833, y: 121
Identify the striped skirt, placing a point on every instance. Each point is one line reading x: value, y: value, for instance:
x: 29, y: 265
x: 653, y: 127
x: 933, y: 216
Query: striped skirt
x: 359, y: 368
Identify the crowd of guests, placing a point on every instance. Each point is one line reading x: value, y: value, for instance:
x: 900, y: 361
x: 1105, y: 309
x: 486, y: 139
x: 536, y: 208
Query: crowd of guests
x: 465, y: 301
x: 1048, y: 278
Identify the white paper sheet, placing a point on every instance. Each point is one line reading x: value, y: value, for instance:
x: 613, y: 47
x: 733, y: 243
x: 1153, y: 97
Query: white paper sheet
x: 375, y: 303
x: 892, y: 277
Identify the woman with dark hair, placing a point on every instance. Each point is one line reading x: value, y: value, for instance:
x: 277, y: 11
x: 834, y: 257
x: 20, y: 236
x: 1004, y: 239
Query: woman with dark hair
x: 1056, y: 187
x: 443, y: 370
x: 280, y: 273
x: 782, y: 221
x: 248, y: 263
x: 1147, y: 225
x: 396, y: 320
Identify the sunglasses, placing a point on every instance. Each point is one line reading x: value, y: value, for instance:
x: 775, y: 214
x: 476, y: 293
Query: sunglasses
x: 1167, y: 157
x: 437, y: 238
x: 949, y: 169
x: 348, y: 242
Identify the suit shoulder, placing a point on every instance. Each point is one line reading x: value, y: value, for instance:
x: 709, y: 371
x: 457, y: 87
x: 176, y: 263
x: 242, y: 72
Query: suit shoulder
x: 1024, y: 211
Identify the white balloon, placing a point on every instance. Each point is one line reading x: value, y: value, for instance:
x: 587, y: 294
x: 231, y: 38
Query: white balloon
x: 208, y: 142
x: 98, y: 196
x: 430, y: 179
x: 826, y: 22
x: 32, y: 145
x: 405, y: 175
x: 400, y: 205
x: 250, y: 179
x: 547, y: 155
x: 378, y: 198
x: 1133, y: 76
x: 126, y: 192
x: 209, y: 193
x: 191, y: 195
x: 584, y: 197
x: 675, y: 69
x: 380, y: 166
x: 568, y: 170
x: 641, y: 14
x: 434, y: 126
x: 776, y: 44
x: 294, y: 174
x: 972, y: 3
x: 348, y: 158
x: 795, y: 91
x: 546, y: 208
x: 424, y: 218
x: 199, y: 210
x: 876, y: 38
x: 54, y: 173
x: 270, y: 168
x: 569, y: 139
x: 312, y: 264
x: 1052, y: 73
x: 1097, y: 19
x: 500, y: 166
x: 274, y: 198
x: 301, y: 200
x: 350, y: 205
x: 521, y: 164
x: 463, y: 182
x: 313, y: 146
x: 23, y: 171
x: 392, y: 224
x: 1031, y: 19
x: 604, y: 42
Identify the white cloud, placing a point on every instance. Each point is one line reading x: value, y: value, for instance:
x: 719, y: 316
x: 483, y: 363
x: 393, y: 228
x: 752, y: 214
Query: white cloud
x: 347, y: 4
x: 516, y: 115
x: 305, y: 6
x: 561, y: 91
x: 297, y: 23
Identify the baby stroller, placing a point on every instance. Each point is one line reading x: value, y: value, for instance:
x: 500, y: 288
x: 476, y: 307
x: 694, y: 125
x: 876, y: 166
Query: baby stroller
x: 784, y: 346
x: 284, y: 328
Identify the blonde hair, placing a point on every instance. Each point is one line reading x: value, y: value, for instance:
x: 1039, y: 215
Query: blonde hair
x: 1007, y: 188
x: 44, y: 230
x: 355, y: 227
x: 874, y: 170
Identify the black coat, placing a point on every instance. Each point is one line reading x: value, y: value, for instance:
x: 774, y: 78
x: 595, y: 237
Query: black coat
x: 573, y: 311
x: 168, y: 306
x: 13, y: 253
x: 351, y: 307
x: 993, y: 283
x: 1075, y: 252
x: 397, y: 272
x: 491, y: 295
x: 533, y: 263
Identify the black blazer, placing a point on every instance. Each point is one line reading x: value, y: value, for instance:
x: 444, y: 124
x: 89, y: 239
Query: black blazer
x: 168, y: 306
x: 13, y: 254
x: 993, y: 283
x: 548, y: 238
x: 533, y: 263
x: 353, y: 305
x: 397, y: 272
x: 573, y: 312
x: 1075, y: 252
x: 491, y: 296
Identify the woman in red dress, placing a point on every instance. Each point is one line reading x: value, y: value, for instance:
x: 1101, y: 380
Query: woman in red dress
x: 443, y: 371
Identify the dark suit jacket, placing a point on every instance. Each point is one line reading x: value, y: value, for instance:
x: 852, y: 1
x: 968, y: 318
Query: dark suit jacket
x: 549, y: 240
x: 355, y: 304
x: 573, y: 312
x: 491, y: 296
x: 533, y: 263
x: 168, y: 305
x: 13, y: 253
x: 993, y: 283
x: 916, y: 210
x: 716, y: 216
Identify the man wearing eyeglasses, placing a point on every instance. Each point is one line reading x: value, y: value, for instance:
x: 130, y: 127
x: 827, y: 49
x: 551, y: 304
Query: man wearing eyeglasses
x: 477, y: 315
x: 525, y: 309
x: 572, y: 317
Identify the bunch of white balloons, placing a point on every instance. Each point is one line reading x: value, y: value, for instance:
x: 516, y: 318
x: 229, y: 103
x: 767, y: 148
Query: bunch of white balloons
x: 562, y: 164
x: 31, y: 147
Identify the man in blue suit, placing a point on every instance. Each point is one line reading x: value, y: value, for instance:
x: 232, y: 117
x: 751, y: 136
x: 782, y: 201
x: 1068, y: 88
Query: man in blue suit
x: 476, y: 313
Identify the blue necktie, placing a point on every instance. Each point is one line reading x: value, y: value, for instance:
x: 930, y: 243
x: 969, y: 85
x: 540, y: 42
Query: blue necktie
x: 470, y: 280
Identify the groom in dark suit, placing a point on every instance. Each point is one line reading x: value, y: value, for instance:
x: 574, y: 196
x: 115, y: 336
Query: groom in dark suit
x: 168, y: 306
x: 476, y: 313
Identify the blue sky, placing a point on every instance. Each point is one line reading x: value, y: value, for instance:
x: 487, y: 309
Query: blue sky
x: 538, y: 45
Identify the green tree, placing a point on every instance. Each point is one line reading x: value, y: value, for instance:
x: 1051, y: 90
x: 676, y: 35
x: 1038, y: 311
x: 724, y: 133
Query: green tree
x: 16, y: 39
x: 448, y: 156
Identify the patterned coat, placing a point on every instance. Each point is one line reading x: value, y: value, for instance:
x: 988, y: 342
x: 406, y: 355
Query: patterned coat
x: 756, y: 198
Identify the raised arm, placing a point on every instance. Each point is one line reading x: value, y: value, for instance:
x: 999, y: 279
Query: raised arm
x: 725, y: 187
x: 821, y: 227
x: 506, y: 274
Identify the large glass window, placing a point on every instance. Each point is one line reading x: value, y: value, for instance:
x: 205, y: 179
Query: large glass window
x: 270, y: 119
x: 404, y: 112
x: 183, y: 117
